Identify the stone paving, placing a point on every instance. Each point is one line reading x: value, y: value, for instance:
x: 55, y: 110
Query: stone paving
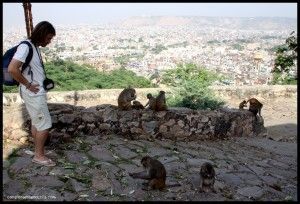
x: 95, y: 168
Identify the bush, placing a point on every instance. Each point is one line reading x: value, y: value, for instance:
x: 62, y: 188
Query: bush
x: 285, y: 62
x: 191, y: 87
x: 283, y: 79
x: 10, y: 89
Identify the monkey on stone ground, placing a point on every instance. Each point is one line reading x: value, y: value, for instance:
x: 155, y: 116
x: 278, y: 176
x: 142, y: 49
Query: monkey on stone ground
x: 155, y: 173
x: 125, y: 98
x: 207, y: 178
x: 161, y: 102
x: 255, y: 106
x: 151, y: 102
x: 243, y: 104
x: 137, y: 105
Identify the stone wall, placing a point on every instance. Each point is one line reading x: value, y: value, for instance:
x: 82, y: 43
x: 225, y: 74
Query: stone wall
x: 70, y: 118
x: 178, y: 124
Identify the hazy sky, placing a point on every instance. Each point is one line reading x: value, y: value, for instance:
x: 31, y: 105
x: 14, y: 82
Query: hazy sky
x: 97, y: 13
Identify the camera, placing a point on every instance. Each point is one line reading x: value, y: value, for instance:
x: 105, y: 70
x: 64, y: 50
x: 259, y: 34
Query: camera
x: 48, y: 84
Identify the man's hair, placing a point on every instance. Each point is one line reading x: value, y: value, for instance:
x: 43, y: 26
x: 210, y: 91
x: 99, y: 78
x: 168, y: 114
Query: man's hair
x: 40, y: 31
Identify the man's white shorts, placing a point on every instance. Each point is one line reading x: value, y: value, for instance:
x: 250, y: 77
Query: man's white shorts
x: 38, y: 110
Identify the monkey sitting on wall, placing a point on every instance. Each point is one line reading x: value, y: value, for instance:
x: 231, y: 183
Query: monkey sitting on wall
x: 137, y: 105
x: 207, y: 178
x: 125, y: 98
x: 243, y: 104
x: 255, y: 106
x: 155, y: 173
x: 161, y: 104
x: 151, y: 104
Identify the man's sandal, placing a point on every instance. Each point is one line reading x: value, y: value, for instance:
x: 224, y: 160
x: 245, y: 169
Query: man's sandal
x: 29, y: 152
x: 47, y: 162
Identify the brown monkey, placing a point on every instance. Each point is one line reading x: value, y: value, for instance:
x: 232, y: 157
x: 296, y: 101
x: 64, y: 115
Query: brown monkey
x: 125, y: 98
x: 155, y: 173
x: 137, y: 105
x: 255, y: 106
x: 151, y: 103
x: 207, y: 178
x: 243, y: 104
x: 161, y: 102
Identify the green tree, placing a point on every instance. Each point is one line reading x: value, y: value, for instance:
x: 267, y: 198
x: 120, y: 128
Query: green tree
x: 286, y: 56
x: 191, y: 87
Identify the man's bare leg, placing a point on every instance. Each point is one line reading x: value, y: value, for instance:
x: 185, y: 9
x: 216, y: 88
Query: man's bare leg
x: 39, y: 142
x: 33, y: 131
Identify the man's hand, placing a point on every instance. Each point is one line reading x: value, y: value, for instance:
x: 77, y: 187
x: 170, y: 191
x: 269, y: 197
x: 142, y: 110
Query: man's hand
x: 33, y: 88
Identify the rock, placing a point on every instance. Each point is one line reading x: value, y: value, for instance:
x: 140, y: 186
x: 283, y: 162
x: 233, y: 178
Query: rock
x: 100, y: 182
x: 67, y: 118
x: 77, y: 186
x: 253, y: 192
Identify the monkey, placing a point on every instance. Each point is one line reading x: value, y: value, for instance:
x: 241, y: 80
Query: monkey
x: 255, y: 106
x: 161, y: 102
x: 151, y: 103
x: 155, y: 173
x: 137, y: 105
x: 207, y: 178
x: 125, y: 98
x: 243, y: 104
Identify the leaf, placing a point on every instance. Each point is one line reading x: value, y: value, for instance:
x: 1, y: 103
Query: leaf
x: 69, y: 166
x: 84, y: 196
x: 288, y: 198
x: 139, y: 150
x: 86, y: 162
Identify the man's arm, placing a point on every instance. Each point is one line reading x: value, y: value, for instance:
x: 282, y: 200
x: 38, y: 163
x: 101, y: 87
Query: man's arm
x: 13, y: 69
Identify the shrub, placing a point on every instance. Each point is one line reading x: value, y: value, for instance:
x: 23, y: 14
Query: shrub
x: 191, y: 87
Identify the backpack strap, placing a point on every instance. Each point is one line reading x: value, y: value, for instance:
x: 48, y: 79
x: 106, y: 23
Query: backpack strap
x: 29, y: 56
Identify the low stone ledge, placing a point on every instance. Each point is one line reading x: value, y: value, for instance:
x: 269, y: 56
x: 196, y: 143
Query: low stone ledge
x: 180, y: 124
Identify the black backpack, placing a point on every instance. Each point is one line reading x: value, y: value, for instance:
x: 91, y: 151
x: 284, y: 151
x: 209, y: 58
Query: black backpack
x: 8, y: 80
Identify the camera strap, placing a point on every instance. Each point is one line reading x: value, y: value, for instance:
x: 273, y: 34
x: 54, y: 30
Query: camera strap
x: 41, y: 60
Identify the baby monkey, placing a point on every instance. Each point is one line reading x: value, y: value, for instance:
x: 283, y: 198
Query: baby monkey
x: 151, y: 102
x: 207, y: 178
x: 155, y: 173
x: 137, y: 105
x: 243, y: 104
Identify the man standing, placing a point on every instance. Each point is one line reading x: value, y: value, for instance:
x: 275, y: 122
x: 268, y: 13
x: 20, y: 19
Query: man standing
x: 31, y: 88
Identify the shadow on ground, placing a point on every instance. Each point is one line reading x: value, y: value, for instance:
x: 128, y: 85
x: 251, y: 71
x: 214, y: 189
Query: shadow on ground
x: 283, y: 132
